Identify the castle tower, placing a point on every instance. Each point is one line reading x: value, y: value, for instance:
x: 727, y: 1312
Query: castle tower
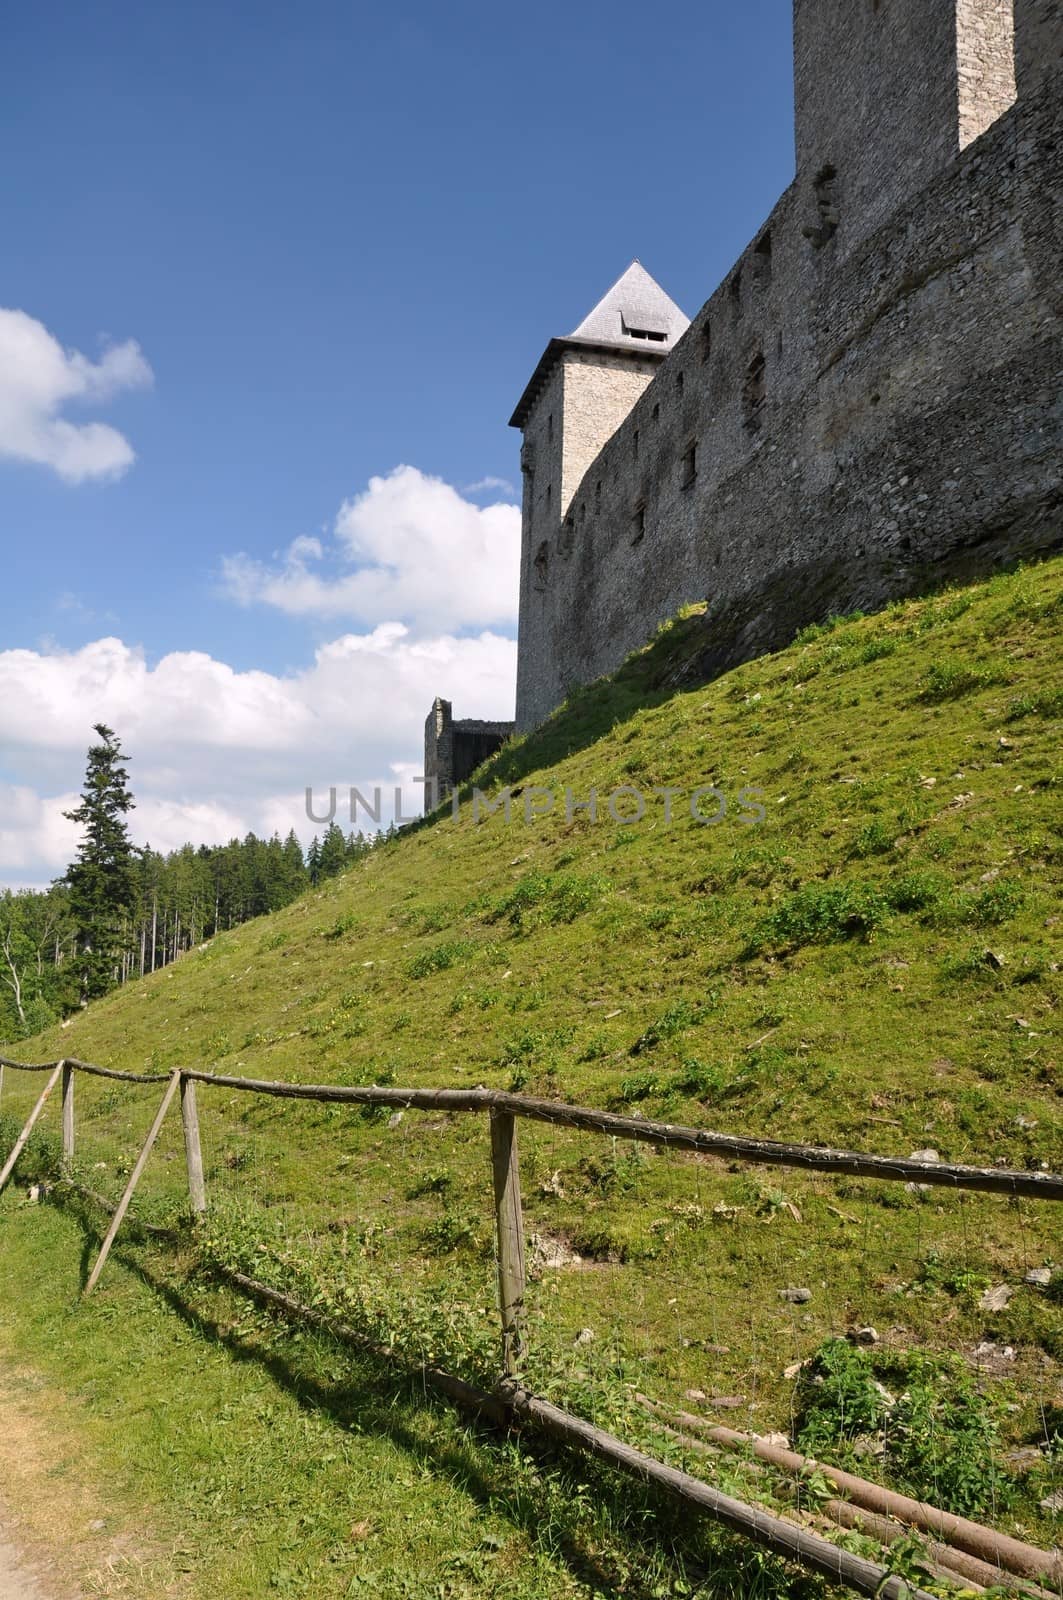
x: 579, y: 394
x: 888, y: 92
x: 1038, y: 43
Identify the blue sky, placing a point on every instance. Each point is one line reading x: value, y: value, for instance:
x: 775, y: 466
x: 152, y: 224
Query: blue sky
x: 339, y: 236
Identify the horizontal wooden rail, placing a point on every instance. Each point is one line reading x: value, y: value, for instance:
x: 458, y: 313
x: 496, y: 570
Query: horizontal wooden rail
x: 29, y: 1066
x: 510, y: 1401
x: 753, y: 1521
x: 989, y: 1545
x: 86, y: 1066
x: 757, y: 1152
x: 510, y: 1398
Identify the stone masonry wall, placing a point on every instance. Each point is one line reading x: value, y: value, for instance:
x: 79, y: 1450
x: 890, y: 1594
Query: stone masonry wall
x: 454, y: 750
x: 599, y: 393
x: 875, y: 99
x: 585, y: 400
x: 846, y: 420
x: 985, y: 35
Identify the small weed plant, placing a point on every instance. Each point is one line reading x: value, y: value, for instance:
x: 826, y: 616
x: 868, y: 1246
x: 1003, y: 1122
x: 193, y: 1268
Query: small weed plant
x: 938, y: 1434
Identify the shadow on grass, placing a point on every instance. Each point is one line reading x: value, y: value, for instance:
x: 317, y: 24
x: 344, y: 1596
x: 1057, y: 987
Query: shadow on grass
x: 386, y: 1400
x: 705, y: 641
x: 647, y: 678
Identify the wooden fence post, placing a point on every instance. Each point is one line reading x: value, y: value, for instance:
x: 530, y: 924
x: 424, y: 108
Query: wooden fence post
x: 509, y: 1223
x: 31, y: 1120
x: 197, y: 1190
x: 134, y: 1179
x: 68, y: 1116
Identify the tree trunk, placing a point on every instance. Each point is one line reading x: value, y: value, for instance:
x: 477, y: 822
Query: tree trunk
x: 14, y: 983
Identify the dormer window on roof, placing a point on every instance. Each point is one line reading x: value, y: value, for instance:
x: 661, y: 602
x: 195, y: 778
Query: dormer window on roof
x: 645, y: 328
x: 635, y: 318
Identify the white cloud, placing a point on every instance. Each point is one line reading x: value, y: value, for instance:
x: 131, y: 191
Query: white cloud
x: 38, y: 378
x: 214, y: 751
x: 410, y: 547
x: 34, y: 833
x: 490, y: 485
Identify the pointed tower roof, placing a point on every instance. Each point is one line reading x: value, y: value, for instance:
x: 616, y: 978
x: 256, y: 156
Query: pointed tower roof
x: 636, y: 309
x: 635, y: 317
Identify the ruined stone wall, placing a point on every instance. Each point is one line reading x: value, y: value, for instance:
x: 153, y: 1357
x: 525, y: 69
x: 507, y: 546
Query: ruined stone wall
x: 438, y: 753
x: 454, y: 750
x: 847, y: 420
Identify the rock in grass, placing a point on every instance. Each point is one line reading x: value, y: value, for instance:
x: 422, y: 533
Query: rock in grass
x: 1039, y: 1277
x: 550, y: 1252
x: 996, y: 1299
x: 796, y: 1297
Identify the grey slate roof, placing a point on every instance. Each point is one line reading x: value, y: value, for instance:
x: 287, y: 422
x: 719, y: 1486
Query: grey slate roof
x: 635, y: 316
x: 636, y: 306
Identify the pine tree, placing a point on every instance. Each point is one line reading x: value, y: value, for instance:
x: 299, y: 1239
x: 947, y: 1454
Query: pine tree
x: 103, y: 879
x: 333, y: 851
x: 295, y: 876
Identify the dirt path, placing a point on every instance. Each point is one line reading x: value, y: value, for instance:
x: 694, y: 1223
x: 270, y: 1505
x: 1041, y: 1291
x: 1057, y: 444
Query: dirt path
x: 17, y: 1582
x: 55, y: 1522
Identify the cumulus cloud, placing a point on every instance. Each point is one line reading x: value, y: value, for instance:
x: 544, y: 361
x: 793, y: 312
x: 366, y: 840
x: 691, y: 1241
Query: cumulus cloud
x: 216, y: 751
x: 490, y: 486
x: 410, y: 547
x: 34, y: 833
x: 38, y: 378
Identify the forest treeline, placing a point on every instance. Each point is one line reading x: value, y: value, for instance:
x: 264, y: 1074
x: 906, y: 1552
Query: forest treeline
x: 121, y: 912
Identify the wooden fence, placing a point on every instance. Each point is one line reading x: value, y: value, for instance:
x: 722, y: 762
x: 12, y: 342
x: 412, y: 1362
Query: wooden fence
x: 510, y: 1400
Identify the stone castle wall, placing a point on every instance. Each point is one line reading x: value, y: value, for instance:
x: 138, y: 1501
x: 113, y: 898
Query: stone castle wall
x: 870, y: 403
x: 586, y: 398
x: 454, y: 749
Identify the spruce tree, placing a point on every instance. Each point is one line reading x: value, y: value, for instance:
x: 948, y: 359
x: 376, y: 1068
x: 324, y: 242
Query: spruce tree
x: 103, y: 879
x: 333, y: 857
x: 295, y: 877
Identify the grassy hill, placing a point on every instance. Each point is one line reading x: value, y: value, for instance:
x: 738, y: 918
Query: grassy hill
x: 874, y: 964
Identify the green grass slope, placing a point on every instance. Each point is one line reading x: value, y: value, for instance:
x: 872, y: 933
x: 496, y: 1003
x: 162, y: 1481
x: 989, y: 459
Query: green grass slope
x: 874, y: 964
x: 790, y: 974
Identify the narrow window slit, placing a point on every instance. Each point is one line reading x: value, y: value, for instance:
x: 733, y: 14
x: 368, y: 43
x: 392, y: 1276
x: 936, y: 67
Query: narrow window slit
x: 755, y: 393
